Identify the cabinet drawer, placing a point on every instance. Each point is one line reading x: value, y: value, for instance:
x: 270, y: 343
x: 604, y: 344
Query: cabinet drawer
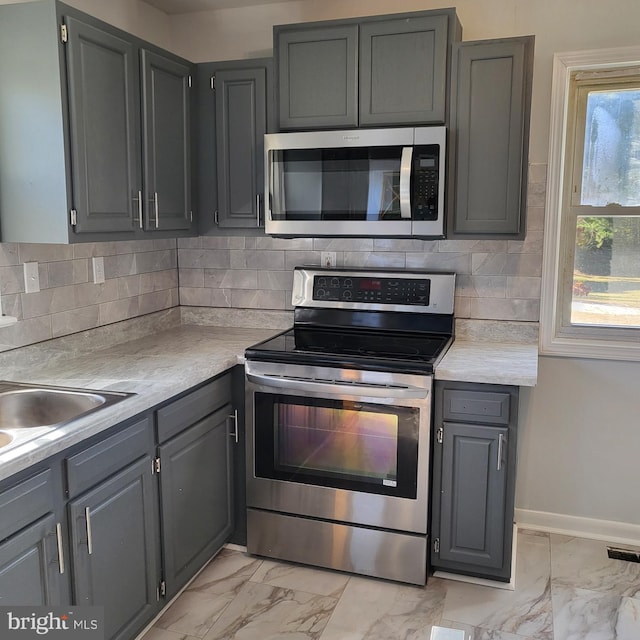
x: 476, y: 406
x: 26, y: 502
x: 107, y: 457
x: 193, y: 407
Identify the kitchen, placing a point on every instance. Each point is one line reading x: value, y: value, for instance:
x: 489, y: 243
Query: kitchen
x: 561, y: 441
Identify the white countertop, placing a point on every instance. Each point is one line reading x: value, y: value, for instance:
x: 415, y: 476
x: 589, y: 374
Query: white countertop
x: 156, y: 368
x: 490, y: 362
x: 165, y: 361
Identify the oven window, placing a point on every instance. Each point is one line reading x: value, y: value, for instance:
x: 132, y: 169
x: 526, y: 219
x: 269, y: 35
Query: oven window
x: 337, y: 443
x: 337, y: 184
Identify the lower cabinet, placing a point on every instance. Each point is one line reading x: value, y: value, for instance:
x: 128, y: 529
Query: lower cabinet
x: 125, y: 521
x: 113, y: 549
x: 194, y: 459
x: 195, y: 488
x: 31, y: 554
x: 474, y: 479
x: 29, y: 570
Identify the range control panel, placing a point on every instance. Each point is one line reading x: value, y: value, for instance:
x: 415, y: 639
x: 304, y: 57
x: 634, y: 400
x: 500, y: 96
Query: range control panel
x: 380, y: 290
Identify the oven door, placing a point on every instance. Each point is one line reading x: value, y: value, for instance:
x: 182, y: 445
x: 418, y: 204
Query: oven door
x: 342, y: 445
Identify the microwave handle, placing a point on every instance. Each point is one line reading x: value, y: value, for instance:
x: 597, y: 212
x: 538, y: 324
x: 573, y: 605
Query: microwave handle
x: 405, y: 182
x: 268, y: 195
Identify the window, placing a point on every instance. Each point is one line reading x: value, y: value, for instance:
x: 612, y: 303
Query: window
x: 591, y: 279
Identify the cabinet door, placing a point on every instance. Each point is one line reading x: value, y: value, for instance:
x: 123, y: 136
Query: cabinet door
x: 195, y: 486
x: 473, y: 495
x: 403, y: 70
x: 167, y: 147
x: 104, y: 128
x: 317, y: 75
x: 490, y: 106
x: 29, y: 567
x: 114, y: 549
x: 241, y: 122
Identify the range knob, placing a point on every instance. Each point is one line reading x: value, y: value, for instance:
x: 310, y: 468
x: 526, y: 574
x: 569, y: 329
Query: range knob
x: 321, y: 293
x: 347, y: 295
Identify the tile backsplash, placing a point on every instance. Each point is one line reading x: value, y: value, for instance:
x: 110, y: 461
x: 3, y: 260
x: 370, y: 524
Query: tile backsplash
x: 497, y: 279
x: 140, y: 277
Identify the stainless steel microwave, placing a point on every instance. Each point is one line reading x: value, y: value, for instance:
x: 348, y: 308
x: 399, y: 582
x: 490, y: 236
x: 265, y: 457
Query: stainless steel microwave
x: 371, y: 182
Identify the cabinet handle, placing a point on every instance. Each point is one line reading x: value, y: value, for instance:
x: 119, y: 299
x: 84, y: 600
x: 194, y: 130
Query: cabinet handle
x: 139, y: 201
x: 155, y: 208
x: 257, y: 209
x: 87, y: 516
x: 500, y: 445
x: 234, y: 417
x: 60, y: 550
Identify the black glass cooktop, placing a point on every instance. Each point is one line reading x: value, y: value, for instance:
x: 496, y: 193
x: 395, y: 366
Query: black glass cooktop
x: 355, y: 349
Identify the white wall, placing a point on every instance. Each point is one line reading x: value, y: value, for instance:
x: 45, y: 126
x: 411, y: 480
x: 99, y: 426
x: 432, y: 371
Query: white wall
x: 133, y: 16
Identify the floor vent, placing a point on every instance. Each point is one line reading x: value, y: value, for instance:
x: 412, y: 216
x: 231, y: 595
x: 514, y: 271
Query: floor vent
x: 623, y: 554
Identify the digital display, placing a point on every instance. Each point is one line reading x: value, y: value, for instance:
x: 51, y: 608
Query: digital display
x: 427, y: 163
x: 370, y: 285
x: 379, y: 290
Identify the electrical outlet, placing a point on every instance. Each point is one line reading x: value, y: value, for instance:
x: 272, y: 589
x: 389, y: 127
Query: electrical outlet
x: 328, y: 258
x: 98, y: 269
x: 31, y: 277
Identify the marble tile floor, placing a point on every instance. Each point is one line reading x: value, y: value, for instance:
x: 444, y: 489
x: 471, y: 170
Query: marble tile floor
x: 566, y: 589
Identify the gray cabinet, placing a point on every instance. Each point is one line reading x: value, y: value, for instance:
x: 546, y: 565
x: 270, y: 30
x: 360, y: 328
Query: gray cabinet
x: 113, y: 528
x: 125, y: 520
x: 167, y: 141
x: 113, y: 541
x: 195, y: 458
x: 317, y: 76
x: 72, y: 166
x: 383, y: 70
x: 103, y: 127
x: 234, y: 110
x: 30, y: 565
x: 403, y: 70
x: 488, y: 138
x: 474, y: 479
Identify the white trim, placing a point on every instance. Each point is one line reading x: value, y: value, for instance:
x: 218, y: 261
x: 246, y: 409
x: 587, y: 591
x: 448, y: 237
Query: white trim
x: 550, y: 342
x: 607, y: 530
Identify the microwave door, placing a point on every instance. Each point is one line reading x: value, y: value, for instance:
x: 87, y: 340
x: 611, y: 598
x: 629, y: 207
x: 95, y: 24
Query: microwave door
x: 337, y: 191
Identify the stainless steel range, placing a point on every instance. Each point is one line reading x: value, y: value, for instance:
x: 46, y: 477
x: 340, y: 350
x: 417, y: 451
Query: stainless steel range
x: 339, y: 422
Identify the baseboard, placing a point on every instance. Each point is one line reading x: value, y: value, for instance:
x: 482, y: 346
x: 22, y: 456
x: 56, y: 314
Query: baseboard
x: 608, y: 530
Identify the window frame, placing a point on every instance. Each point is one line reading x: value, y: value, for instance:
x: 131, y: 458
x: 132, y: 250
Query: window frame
x: 557, y: 336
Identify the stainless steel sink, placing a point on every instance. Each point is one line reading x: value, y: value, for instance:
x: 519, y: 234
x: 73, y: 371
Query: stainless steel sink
x: 29, y: 410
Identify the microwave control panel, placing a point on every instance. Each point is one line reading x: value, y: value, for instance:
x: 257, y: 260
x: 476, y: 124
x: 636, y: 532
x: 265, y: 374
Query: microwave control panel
x: 411, y: 291
x: 425, y: 182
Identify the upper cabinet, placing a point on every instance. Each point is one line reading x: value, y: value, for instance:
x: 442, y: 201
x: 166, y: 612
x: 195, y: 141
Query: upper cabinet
x: 166, y: 118
x: 383, y: 70
x: 98, y: 143
x: 234, y: 101
x: 488, y: 137
x: 104, y: 127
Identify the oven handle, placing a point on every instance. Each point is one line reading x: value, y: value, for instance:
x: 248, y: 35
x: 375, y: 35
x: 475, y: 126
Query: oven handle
x: 336, y: 386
